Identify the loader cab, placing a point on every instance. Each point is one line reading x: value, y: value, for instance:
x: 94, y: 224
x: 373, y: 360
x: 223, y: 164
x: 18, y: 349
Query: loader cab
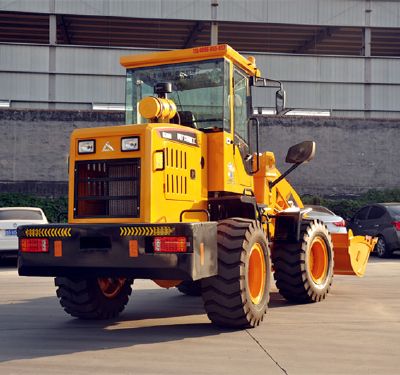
x: 211, y: 92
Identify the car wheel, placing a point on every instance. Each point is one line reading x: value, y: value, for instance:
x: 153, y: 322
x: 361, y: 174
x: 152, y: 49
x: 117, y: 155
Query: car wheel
x: 381, y: 248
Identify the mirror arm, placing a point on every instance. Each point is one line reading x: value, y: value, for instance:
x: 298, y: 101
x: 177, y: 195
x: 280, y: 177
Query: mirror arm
x: 265, y: 81
x: 282, y: 176
x: 275, y: 80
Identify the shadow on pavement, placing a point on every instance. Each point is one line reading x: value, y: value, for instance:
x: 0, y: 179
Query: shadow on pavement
x: 39, y: 328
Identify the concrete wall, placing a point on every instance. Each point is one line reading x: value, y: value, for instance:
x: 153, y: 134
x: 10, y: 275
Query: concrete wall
x: 352, y: 157
x: 35, y: 147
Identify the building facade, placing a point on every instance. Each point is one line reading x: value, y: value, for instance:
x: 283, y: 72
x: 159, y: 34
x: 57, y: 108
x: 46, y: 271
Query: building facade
x: 334, y: 57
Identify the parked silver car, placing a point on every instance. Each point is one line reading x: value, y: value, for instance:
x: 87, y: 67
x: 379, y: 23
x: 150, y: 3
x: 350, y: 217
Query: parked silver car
x: 10, y: 219
x: 335, y: 224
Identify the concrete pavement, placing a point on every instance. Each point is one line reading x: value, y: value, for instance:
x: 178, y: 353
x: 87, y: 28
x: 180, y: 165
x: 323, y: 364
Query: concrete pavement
x: 356, y: 330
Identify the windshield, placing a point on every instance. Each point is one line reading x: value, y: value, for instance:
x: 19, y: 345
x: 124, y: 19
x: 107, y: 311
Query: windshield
x: 199, y: 90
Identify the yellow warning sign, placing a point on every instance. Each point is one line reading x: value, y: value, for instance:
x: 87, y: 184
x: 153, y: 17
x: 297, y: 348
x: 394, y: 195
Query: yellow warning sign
x: 145, y: 231
x: 48, y: 232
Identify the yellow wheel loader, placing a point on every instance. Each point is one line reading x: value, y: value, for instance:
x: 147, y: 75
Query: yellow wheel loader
x: 181, y: 195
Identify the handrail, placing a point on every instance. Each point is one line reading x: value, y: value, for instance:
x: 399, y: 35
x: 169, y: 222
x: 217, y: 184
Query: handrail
x: 205, y: 211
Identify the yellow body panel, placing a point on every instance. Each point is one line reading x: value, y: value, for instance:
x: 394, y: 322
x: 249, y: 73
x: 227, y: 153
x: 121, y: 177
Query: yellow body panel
x: 282, y: 195
x: 184, y: 170
x: 227, y: 171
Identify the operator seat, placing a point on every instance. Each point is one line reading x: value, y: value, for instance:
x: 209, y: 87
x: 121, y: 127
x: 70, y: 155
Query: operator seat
x: 184, y: 118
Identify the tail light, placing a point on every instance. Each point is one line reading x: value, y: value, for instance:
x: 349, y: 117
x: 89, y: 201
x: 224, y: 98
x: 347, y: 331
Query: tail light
x: 396, y: 224
x: 34, y: 245
x: 340, y: 223
x: 170, y: 244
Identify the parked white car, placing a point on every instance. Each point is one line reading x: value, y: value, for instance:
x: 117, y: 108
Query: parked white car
x: 10, y: 219
x: 335, y: 224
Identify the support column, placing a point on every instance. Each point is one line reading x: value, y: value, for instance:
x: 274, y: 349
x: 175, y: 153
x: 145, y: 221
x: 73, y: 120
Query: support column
x: 366, y: 52
x: 52, y: 54
x: 214, y: 23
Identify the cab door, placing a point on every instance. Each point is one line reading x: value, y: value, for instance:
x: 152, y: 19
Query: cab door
x: 243, y: 155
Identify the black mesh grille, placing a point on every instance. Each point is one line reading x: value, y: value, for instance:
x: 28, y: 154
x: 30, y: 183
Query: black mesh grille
x: 108, y: 188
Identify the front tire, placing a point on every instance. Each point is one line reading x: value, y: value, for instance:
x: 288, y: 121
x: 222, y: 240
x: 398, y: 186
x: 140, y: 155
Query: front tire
x: 304, y: 271
x: 238, y: 296
x: 93, y: 298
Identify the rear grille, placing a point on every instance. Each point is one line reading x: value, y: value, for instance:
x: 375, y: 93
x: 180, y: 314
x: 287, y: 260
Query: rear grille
x: 107, y: 188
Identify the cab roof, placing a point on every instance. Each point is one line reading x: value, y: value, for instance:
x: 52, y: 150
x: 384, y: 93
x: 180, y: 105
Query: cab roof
x: 190, y: 54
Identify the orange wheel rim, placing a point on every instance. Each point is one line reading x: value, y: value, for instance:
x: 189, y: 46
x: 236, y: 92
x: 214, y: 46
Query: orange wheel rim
x: 318, y: 260
x: 111, y: 287
x: 257, y: 273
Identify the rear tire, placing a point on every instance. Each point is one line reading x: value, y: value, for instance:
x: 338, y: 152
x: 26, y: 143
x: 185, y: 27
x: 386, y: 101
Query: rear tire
x: 381, y: 248
x: 238, y: 296
x: 93, y: 298
x: 304, y: 271
x: 190, y: 288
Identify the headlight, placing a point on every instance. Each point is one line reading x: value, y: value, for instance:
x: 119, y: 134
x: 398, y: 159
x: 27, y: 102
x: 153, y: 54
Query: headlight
x: 86, y: 147
x: 130, y: 144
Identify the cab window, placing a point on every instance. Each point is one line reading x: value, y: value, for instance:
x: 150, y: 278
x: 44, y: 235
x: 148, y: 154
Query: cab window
x: 241, y: 105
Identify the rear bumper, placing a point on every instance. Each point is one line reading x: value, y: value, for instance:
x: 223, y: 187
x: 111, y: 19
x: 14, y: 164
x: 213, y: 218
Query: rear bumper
x: 9, y: 244
x: 393, y: 246
x: 120, y: 251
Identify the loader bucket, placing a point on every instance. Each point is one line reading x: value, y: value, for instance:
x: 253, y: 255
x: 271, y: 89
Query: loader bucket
x: 351, y: 253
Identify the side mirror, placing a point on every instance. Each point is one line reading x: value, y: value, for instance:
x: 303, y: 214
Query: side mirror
x: 297, y: 154
x: 280, y: 101
x: 301, y: 153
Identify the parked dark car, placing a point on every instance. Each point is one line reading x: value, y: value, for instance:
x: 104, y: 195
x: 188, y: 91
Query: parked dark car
x: 380, y: 220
